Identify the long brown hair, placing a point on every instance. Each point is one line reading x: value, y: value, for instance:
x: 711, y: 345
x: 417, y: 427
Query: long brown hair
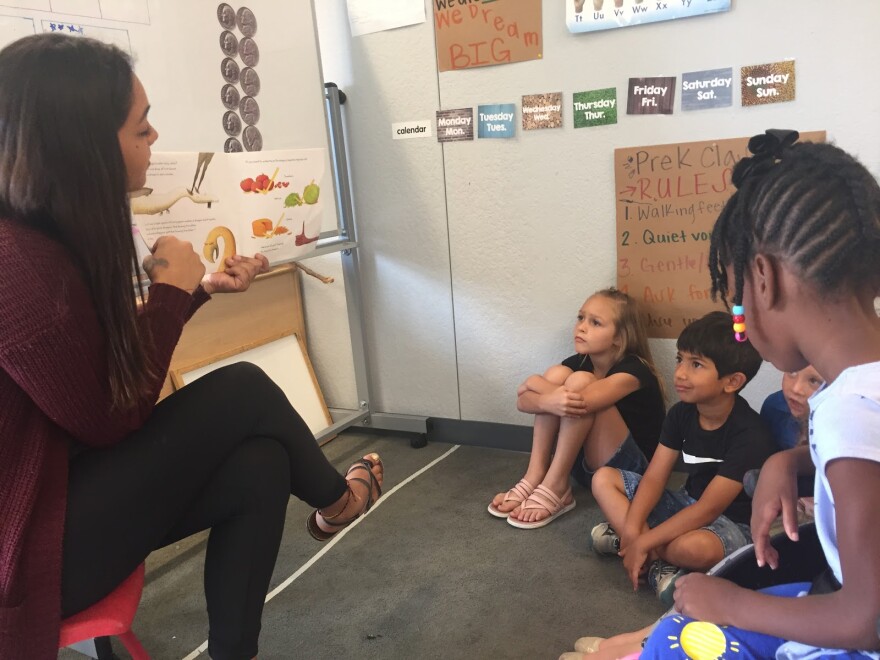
x: 631, y: 331
x: 62, y: 102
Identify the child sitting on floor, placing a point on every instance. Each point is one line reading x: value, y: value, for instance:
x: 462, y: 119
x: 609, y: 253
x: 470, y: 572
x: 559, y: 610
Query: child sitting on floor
x: 605, y: 402
x: 719, y: 438
x: 786, y: 410
x: 786, y: 414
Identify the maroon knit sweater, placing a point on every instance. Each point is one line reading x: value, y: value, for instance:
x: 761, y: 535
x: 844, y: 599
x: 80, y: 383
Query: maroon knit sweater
x: 54, y: 387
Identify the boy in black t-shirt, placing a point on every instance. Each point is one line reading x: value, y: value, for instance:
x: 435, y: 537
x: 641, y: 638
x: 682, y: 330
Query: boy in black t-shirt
x: 719, y: 438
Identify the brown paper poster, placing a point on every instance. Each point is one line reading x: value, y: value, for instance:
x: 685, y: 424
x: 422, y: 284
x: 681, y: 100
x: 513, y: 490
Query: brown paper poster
x: 472, y: 33
x: 668, y: 198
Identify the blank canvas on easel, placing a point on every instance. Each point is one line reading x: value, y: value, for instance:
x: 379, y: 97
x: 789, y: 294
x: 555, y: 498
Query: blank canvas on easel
x: 286, y: 362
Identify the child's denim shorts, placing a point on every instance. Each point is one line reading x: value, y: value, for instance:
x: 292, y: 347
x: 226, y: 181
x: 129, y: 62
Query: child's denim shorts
x: 627, y: 457
x: 733, y: 536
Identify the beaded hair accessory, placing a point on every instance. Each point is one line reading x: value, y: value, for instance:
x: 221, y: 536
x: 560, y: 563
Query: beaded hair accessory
x: 739, y: 323
x: 767, y: 150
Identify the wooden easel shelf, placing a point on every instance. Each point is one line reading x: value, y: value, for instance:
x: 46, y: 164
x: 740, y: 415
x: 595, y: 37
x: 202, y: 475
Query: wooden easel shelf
x: 271, y: 308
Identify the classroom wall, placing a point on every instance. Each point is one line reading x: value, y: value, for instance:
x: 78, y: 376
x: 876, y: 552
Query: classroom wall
x: 477, y: 255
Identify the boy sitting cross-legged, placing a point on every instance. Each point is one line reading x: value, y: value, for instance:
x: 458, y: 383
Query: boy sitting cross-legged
x: 719, y: 438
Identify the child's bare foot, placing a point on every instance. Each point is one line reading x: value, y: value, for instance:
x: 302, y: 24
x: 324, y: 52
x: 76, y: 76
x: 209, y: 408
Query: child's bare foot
x: 364, y: 479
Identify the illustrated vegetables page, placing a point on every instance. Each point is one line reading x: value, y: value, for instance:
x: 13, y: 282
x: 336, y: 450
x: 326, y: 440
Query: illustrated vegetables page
x: 234, y: 203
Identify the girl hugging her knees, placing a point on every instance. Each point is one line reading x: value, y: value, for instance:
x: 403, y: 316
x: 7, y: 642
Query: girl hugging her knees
x: 602, y: 406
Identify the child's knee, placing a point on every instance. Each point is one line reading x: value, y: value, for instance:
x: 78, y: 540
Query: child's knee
x: 579, y: 380
x: 607, y: 479
x: 697, y: 549
x: 557, y: 374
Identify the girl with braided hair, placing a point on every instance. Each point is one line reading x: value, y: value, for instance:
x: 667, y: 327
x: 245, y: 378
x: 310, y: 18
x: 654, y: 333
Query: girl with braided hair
x: 795, y: 250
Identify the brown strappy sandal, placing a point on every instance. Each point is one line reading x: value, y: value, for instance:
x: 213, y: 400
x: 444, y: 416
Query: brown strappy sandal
x: 362, y: 464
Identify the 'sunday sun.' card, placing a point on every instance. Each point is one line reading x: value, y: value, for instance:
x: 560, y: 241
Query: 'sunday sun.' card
x: 234, y: 203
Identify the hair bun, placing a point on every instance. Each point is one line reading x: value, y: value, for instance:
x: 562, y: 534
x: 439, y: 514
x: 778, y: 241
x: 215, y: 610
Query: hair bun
x: 768, y: 148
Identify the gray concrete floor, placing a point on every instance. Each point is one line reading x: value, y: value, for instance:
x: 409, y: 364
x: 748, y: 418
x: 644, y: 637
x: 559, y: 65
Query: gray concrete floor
x: 427, y: 574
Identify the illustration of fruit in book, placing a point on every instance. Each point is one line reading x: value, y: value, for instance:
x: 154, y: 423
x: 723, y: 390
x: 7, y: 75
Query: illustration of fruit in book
x: 145, y: 202
x: 262, y: 183
x: 311, y: 192
x: 211, y: 249
x: 310, y: 196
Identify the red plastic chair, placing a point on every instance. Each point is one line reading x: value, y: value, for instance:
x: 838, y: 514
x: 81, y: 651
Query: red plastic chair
x: 112, y: 615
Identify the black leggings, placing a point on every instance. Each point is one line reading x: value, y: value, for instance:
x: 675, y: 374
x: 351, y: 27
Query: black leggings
x: 225, y: 453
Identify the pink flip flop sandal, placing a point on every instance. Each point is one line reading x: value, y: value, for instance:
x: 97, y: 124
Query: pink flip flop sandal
x: 519, y: 494
x: 544, y: 498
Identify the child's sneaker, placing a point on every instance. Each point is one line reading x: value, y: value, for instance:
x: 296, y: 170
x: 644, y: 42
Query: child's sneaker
x: 661, y: 578
x: 604, y: 540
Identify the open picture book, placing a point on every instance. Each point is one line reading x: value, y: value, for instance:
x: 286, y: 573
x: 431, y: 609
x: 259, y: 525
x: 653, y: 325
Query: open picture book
x: 233, y: 203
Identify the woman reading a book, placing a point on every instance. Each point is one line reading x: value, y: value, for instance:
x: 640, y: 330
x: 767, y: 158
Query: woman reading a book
x: 93, y: 474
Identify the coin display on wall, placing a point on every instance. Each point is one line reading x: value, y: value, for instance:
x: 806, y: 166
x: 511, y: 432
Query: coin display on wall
x: 252, y: 138
x: 228, y: 43
x: 232, y: 146
x: 249, y: 52
x: 230, y: 71
x: 247, y: 22
x: 249, y: 110
x: 231, y: 123
x: 230, y: 97
x: 226, y: 15
x: 250, y: 81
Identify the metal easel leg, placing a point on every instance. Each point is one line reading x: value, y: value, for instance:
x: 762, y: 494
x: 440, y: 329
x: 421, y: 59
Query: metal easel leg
x: 348, y: 231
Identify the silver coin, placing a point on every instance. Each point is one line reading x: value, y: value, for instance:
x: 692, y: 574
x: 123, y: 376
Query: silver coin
x: 232, y: 146
x: 230, y: 97
x: 228, y: 43
x: 226, y: 15
x: 229, y: 69
x: 252, y: 138
x: 247, y: 22
x: 250, y: 53
x: 231, y: 123
x: 249, y: 110
x: 250, y: 81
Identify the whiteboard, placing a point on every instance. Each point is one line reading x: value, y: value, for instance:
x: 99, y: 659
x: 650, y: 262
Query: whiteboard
x: 285, y: 362
x: 178, y: 50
